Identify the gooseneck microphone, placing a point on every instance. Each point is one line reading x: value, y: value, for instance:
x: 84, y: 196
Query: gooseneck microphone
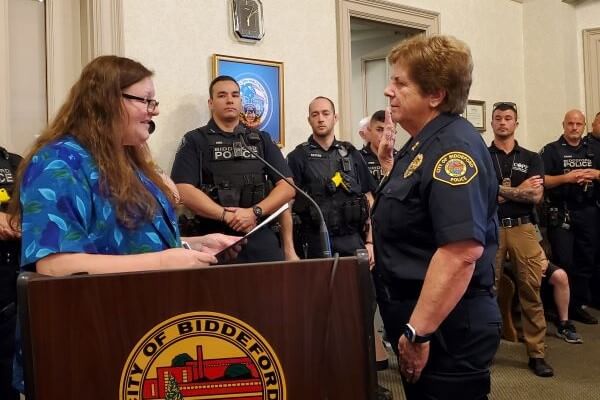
x: 323, y: 231
x: 151, y: 127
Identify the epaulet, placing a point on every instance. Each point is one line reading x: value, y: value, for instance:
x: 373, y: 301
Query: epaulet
x: 349, y: 146
x: 199, y: 130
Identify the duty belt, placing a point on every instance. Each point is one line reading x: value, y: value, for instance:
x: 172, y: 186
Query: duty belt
x: 511, y: 222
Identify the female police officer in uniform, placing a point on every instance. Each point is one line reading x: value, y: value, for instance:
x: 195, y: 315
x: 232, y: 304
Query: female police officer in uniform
x: 435, y: 227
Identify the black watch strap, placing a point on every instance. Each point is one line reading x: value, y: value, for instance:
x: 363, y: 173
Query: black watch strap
x: 411, y: 335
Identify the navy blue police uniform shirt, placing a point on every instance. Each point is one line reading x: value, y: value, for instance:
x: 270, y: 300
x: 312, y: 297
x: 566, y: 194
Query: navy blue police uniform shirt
x: 297, y: 160
x: 372, y: 161
x: 594, y: 143
x: 560, y: 157
x: 518, y: 165
x: 442, y: 189
x: 190, y: 164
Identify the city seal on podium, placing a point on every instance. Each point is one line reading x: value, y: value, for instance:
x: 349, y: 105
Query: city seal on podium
x: 202, y: 355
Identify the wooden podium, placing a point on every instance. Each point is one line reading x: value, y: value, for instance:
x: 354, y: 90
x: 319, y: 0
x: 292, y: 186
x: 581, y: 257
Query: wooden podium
x: 314, y: 316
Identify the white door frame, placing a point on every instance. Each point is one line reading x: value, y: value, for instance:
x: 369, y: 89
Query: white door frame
x: 591, y: 69
x: 375, y: 10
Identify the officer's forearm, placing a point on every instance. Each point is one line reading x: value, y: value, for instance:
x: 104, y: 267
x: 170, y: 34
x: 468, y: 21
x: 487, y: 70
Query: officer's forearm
x: 199, y: 202
x: 552, y: 181
x: 447, y: 279
x: 369, y: 234
x: 281, y: 194
x: 286, y: 232
x: 522, y: 195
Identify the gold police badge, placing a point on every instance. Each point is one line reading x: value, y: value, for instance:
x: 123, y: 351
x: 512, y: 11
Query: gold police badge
x: 202, y: 355
x: 414, y: 164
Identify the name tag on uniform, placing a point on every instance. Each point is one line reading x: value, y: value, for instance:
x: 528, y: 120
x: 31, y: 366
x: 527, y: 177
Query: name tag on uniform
x: 227, y: 153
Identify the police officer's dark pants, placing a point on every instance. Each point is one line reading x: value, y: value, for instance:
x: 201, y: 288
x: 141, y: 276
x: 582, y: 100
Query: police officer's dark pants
x: 262, y: 246
x: 574, y: 250
x: 461, y: 349
x: 7, y: 331
x: 595, y: 284
x: 345, y: 245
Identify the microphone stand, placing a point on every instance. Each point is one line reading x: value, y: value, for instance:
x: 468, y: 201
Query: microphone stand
x: 323, y: 231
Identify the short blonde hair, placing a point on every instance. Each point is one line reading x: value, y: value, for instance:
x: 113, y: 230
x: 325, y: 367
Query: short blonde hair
x: 438, y: 63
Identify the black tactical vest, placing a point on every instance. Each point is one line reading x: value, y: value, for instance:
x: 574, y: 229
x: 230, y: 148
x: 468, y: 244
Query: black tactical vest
x: 9, y: 249
x: 372, y: 163
x: 345, y: 207
x: 8, y: 170
x: 232, y: 176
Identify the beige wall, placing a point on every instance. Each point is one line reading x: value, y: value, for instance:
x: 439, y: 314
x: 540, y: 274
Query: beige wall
x: 529, y: 53
x: 493, y: 29
x: 25, y: 69
x: 177, y: 42
x: 551, y: 68
x: 587, y: 16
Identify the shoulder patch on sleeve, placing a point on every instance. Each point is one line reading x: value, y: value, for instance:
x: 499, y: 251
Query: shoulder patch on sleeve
x: 455, y: 168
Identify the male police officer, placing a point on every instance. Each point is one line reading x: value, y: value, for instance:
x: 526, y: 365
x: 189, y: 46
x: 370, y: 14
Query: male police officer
x: 370, y: 130
x: 337, y: 177
x: 519, y: 173
x: 9, y: 267
x: 570, y: 180
x: 372, y: 135
x: 223, y: 183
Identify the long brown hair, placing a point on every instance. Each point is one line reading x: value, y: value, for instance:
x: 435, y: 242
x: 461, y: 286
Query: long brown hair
x: 94, y: 114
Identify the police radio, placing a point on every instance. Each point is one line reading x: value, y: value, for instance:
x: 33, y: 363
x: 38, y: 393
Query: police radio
x: 252, y: 137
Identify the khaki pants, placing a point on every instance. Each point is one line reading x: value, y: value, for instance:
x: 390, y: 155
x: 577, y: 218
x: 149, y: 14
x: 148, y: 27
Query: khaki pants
x: 527, y: 257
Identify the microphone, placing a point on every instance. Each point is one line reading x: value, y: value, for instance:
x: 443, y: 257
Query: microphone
x: 151, y: 127
x: 323, y: 231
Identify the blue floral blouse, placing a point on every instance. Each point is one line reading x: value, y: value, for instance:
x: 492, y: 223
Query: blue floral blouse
x: 63, y: 210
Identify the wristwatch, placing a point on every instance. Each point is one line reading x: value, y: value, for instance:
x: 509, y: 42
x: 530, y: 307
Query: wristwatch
x: 257, y: 211
x: 412, y: 336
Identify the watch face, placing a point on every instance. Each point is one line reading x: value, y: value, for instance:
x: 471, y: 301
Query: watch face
x: 410, y: 335
x: 248, y: 19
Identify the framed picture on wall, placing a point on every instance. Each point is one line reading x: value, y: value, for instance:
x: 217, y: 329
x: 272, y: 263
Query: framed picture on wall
x: 475, y: 114
x: 261, y: 90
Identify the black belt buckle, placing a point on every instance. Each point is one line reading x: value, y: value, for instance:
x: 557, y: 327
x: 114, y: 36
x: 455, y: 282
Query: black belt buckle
x: 507, y: 222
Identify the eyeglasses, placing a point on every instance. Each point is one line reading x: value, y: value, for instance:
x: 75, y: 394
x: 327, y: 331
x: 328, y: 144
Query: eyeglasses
x: 151, y: 104
x: 504, y: 104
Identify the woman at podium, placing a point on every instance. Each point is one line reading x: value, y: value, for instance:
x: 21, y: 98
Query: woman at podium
x: 90, y: 198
